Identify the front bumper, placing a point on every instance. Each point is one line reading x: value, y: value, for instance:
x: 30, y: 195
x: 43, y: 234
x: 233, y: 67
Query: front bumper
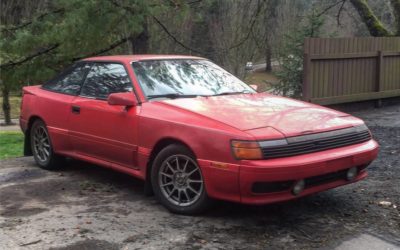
x: 304, y: 167
x: 235, y: 182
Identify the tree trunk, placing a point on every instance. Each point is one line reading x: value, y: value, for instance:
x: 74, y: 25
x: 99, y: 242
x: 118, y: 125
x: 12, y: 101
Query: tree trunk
x: 268, y: 57
x: 6, y: 106
x: 375, y: 27
x: 140, y: 43
x: 396, y: 12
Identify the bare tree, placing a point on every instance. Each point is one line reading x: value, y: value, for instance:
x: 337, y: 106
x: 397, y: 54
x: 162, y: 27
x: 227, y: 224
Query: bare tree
x: 368, y: 17
x: 231, y: 27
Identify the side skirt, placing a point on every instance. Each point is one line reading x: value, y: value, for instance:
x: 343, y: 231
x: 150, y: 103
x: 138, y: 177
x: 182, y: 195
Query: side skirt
x: 133, y: 172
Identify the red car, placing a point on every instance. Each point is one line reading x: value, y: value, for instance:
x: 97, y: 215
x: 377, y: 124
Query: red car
x: 192, y: 131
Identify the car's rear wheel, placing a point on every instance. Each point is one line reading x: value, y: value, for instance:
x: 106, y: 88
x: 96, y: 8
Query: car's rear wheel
x: 178, y: 182
x: 42, y: 148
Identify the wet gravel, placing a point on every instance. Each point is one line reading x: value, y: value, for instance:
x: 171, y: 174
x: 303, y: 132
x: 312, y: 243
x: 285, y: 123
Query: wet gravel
x: 88, y: 207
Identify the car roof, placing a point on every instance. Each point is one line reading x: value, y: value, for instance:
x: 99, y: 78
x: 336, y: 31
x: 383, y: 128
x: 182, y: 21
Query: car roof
x: 131, y: 58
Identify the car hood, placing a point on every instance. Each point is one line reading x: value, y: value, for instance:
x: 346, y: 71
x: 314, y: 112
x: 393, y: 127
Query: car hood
x: 254, y: 111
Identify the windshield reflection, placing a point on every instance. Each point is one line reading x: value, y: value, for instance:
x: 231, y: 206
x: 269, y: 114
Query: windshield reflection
x: 186, y: 77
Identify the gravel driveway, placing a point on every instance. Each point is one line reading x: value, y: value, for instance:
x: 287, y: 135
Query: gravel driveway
x: 88, y: 207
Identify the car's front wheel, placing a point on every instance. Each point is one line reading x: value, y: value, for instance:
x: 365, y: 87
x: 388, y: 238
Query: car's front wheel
x: 178, y: 182
x: 42, y: 148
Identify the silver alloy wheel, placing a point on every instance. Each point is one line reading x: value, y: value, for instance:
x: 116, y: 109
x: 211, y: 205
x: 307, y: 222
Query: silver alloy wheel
x: 41, y: 143
x: 180, y: 180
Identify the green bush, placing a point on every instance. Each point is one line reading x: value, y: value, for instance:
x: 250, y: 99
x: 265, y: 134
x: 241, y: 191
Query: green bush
x: 291, y: 57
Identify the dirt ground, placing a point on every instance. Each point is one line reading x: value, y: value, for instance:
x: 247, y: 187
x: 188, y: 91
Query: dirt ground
x: 88, y: 207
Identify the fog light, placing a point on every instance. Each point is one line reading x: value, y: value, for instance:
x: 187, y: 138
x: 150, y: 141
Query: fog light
x: 298, y: 187
x: 351, y: 173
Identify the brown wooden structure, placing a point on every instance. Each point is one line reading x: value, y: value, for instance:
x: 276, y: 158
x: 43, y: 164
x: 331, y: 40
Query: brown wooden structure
x: 340, y: 70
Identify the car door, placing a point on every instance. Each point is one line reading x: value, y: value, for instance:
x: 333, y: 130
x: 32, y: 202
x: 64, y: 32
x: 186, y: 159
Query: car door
x: 99, y: 130
x: 55, y: 103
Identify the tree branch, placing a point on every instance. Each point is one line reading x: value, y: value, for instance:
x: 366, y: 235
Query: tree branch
x: 40, y: 17
x: 173, y: 37
x: 165, y: 29
x: 252, y: 23
x: 102, y: 51
x: 375, y: 27
x: 396, y: 11
x: 194, y: 2
x: 339, y: 13
x: 30, y: 57
x: 330, y: 7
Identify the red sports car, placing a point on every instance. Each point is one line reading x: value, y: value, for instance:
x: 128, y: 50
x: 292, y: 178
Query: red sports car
x: 192, y: 131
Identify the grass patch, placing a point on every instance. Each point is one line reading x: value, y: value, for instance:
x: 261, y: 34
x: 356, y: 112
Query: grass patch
x: 11, y: 144
x: 15, y: 103
x: 262, y: 79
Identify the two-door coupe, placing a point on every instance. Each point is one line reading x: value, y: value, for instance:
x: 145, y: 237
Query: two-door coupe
x: 192, y: 131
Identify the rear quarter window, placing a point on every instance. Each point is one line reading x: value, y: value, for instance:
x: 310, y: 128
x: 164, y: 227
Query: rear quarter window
x: 70, y: 81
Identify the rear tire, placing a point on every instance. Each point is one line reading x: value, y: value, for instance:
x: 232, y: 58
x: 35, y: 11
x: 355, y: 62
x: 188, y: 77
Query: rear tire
x: 178, y: 182
x: 42, y: 148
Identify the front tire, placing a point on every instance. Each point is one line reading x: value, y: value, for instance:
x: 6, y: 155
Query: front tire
x: 42, y: 148
x: 178, y: 182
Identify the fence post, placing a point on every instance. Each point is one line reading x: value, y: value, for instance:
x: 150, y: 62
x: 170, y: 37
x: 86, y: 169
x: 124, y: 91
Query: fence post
x: 306, y: 77
x: 379, y: 76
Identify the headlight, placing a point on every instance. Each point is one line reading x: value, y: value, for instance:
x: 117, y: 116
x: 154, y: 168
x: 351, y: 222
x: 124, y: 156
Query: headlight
x: 246, y: 150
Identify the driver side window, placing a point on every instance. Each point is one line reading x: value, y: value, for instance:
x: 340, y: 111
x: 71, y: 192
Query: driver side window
x: 104, y: 79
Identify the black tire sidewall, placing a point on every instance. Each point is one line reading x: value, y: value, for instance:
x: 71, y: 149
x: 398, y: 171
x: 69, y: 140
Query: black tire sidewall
x: 200, y: 205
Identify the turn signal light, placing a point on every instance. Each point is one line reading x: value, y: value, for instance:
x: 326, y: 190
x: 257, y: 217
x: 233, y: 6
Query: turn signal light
x: 246, y: 150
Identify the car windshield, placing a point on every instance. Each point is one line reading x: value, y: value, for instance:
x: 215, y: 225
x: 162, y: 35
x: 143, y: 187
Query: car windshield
x: 186, y: 78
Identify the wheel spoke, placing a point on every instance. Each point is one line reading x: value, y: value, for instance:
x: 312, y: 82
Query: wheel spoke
x: 171, y: 168
x: 41, y: 155
x: 194, y: 191
x: 40, y: 133
x: 173, y: 190
x: 177, y: 163
x: 195, y: 181
x: 185, y: 166
x: 167, y: 184
x: 193, y: 171
x: 46, y: 152
x: 167, y: 175
x: 186, y: 194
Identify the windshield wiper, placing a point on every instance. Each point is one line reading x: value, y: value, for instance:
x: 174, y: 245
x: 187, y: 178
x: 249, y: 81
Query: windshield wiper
x: 233, y: 93
x: 171, y: 96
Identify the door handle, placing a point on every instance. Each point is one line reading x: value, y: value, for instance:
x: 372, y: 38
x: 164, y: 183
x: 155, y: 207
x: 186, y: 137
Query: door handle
x: 76, y: 109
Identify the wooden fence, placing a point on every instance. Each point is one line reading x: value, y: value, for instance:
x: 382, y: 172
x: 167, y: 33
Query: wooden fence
x: 340, y: 70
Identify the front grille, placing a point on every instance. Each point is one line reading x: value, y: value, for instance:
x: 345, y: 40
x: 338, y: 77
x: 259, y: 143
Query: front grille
x: 318, y: 142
